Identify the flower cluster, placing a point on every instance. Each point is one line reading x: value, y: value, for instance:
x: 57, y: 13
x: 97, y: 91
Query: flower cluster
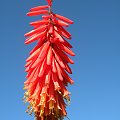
x: 47, y: 65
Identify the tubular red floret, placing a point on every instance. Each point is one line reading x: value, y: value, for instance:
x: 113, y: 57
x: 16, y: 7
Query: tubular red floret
x: 64, y: 19
x: 36, y: 13
x: 39, y: 8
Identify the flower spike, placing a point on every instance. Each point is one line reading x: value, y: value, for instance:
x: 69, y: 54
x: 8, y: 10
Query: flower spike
x: 47, y: 66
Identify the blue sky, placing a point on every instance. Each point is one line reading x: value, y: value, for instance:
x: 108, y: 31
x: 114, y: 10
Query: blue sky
x: 96, y: 72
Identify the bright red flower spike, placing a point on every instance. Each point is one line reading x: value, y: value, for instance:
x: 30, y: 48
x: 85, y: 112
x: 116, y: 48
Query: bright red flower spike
x: 47, y: 66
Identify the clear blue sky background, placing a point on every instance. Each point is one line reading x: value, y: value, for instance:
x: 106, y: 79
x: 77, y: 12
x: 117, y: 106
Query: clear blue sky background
x: 96, y: 72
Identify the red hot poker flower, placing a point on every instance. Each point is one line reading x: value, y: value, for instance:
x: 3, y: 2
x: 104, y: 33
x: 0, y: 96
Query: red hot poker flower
x: 47, y: 65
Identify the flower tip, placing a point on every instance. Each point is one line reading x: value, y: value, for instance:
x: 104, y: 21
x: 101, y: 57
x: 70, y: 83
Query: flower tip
x: 28, y: 14
x: 25, y: 35
x: 72, y: 22
x: 72, y: 82
x: 73, y: 54
x: 49, y: 2
x: 25, y: 42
